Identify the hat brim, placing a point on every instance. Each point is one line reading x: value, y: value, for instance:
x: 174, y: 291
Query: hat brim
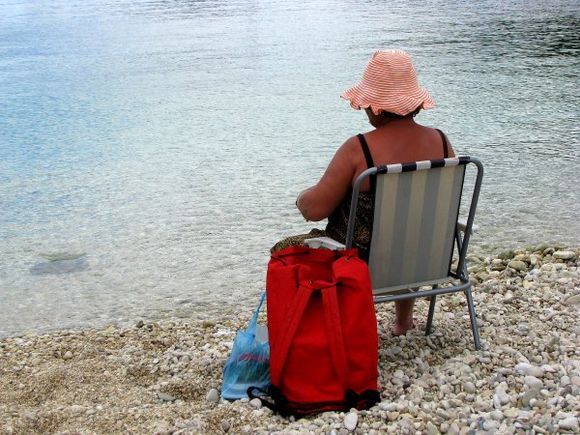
x: 402, y: 104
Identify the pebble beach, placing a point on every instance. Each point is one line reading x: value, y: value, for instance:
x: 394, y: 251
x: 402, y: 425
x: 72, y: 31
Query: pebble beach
x: 165, y: 377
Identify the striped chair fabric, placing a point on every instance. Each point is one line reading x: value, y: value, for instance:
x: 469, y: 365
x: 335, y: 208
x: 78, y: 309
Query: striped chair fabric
x: 414, y: 223
x: 415, y: 230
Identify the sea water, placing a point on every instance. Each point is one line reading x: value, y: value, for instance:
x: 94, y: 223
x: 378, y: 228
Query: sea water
x: 151, y: 151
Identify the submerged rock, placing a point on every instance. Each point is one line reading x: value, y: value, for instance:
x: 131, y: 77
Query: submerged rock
x: 564, y: 255
x: 60, y: 263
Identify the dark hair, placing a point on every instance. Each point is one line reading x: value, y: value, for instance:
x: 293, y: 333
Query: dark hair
x: 389, y: 115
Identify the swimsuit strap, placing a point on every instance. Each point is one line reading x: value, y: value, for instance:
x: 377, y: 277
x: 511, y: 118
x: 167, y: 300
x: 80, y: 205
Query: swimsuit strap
x: 369, y: 159
x: 445, y: 145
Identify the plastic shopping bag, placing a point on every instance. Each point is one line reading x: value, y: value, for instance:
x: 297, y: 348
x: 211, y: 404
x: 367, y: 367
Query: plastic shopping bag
x: 249, y: 363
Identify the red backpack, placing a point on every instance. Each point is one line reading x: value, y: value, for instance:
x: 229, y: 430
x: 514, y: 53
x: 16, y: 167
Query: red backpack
x: 322, y: 330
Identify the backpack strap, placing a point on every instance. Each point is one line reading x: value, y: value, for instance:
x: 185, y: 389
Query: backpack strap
x: 333, y: 331
x: 287, y: 333
x: 334, y: 334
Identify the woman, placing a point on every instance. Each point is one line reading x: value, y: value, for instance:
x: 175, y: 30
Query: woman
x: 391, y: 96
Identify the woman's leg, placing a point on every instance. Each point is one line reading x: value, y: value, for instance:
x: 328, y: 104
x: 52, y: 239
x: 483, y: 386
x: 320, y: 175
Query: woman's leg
x: 403, y: 316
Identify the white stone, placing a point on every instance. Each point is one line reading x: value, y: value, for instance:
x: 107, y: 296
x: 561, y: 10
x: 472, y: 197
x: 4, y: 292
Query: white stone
x: 564, y: 255
x: 165, y: 397
x: 256, y: 403
x: 490, y: 425
x: 350, y: 421
x: 430, y: 429
x: 530, y: 370
x: 394, y: 350
x: 510, y: 412
x: 68, y: 355
x: 573, y: 300
x: 533, y: 383
x: 565, y: 380
x: 398, y: 374
x: 569, y: 423
x: 549, y: 369
x: 500, y: 397
x: 212, y: 396
x: 496, y: 415
x: 388, y: 406
x: 469, y: 388
x: 453, y: 429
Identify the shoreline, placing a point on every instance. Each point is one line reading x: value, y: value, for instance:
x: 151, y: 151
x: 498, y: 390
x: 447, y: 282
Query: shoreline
x: 191, y: 310
x: 157, y: 377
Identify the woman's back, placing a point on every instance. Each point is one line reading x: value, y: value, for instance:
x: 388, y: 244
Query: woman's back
x: 401, y: 140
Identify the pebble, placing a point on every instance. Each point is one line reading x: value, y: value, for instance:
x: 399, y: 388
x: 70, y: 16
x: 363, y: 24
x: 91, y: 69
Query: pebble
x: 469, y: 387
x: 256, y: 403
x: 350, y: 421
x: 572, y: 300
x: 431, y: 429
x: 164, y: 397
x: 388, y: 406
x: 500, y: 397
x: 453, y: 429
x: 518, y: 265
x: 525, y: 379
x: 569, y: 423
x: 564, y: 255
x: 68, y: 355
x: 213, y: 396
x: 532, y: 382
x: 530, y: 370
x: 398, y: 374
x: 510, y: 412
x: 490, y: 425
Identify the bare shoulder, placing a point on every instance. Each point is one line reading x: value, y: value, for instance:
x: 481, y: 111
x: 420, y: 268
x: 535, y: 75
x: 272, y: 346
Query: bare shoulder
x: 351, y: 145
x: 439, y: 134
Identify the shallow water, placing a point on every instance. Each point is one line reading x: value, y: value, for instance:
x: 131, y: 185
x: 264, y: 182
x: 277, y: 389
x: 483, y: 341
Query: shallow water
x: 167, y: 140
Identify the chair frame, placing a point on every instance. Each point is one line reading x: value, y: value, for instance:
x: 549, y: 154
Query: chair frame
x: 461, y: 240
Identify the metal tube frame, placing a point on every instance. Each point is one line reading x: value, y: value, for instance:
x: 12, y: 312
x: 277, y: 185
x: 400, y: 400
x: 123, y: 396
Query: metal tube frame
x: 460, y: 273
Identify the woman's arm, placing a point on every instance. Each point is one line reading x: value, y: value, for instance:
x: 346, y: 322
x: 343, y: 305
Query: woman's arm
x: 319, y: 201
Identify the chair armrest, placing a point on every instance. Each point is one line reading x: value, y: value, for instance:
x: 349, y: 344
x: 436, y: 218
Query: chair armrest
x: 462, y: 224
x: 324, y: 242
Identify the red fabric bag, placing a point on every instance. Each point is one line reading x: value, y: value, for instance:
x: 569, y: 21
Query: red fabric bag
x: 322, y: 329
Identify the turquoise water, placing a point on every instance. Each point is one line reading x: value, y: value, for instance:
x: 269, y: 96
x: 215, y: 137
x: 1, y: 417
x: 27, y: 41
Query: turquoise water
x: 156, y: 147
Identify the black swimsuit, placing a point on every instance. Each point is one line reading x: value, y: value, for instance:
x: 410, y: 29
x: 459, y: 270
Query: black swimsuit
x: 338, y: 220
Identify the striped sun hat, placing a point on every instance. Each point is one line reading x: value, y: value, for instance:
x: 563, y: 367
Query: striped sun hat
x: 389, y: 84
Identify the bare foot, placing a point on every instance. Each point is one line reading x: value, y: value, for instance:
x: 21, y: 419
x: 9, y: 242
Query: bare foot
x: 401, y: 328
x: 403, y: 317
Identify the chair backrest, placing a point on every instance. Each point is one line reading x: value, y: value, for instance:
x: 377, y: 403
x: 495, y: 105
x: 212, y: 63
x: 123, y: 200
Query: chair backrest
x: 415, y: 217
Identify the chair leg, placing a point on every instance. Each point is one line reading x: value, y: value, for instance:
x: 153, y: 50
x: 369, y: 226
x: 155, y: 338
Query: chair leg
x: 430, y: 315
x: 473, y: 318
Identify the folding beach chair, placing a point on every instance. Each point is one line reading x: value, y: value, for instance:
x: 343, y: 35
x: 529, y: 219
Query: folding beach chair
x: 416, y: 230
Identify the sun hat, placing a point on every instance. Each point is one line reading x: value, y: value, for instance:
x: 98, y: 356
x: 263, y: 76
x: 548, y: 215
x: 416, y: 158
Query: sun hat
x: 389, y: 84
